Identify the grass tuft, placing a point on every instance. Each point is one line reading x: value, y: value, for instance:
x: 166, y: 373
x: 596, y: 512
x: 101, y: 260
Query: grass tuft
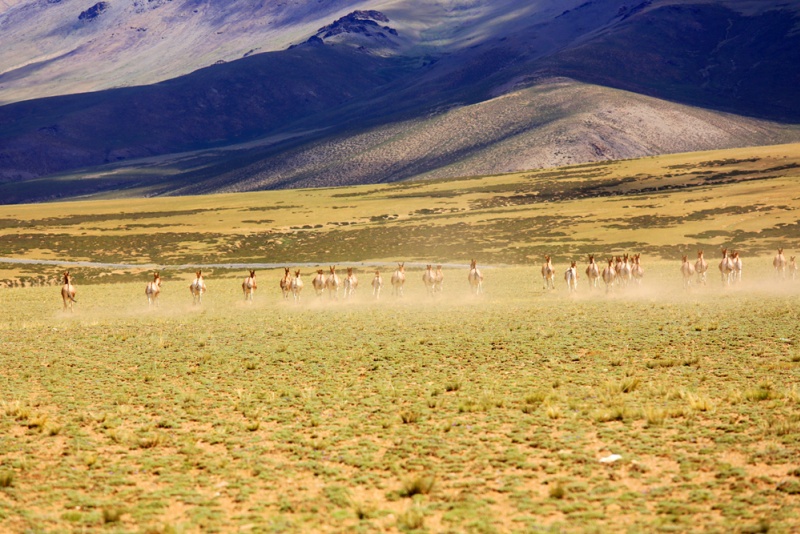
x: 654, y: 416
x: 411, y: 519
x: 453, y: 385
x: 418, y: 485
x: 409, y: 416
x: 111, y: 515
x: 558, y: 491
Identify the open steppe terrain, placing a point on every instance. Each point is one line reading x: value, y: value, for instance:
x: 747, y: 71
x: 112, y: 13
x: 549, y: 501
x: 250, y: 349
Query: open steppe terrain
x: 486, y: 413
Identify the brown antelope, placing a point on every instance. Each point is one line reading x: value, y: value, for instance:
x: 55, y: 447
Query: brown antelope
x: 779, y: 263
x: 153, y: 289
x: 296, y: 286
x: 701, y: 267
x: 737, y: 267
x: 687, y: 270
x: 438, y: 279
x: 592, y: 273
x: 68, y: 292
x: 475, y: 278
x: 399, y: 279
x: 319, y: 282
x: 725, y: 267
x: 571, y: 277
x: 350, y: 283
x: 609, y: 275
x: 637, y: 271
x: 377, y: 285
x: 792, y: 268
x: 618, y: 269
x: 429, y: 279
x: 332, y: 283
x: 548, y: 274
x: 249, y: 287
x: 624, y: 272
x: 197, y: 288
x: 286, y: 283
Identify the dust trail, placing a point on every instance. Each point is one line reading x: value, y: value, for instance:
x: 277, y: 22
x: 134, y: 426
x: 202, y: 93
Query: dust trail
x: 101, y: 265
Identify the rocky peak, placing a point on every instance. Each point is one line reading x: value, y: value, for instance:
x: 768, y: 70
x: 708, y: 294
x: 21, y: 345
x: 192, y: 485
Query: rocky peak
x: 358, y: 27
x: 93, y: 12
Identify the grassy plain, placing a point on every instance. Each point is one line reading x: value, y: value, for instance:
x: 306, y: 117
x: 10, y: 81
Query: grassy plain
x: 460, y: 413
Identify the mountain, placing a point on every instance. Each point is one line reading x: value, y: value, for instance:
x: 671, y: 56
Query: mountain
x: 182, y: 96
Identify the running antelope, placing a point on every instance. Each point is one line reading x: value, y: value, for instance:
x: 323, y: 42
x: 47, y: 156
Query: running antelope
x: 399, y: 279
x: 429, y: 279
x: 592, y: 273
x: 475, y: 278
x: 332, y: 283
x: 687, y: 270
x: 726, y: 267
x: 792, y: 268
x: 377, y: 285
x: 197, y: 288
x: 319, y: 282
x: 152, y: 290
x: 624, y: 272
x: 548, y: 274
x: 68, y: 292
x: 737, y: 267
x: 618, y: 270
x: 249, y: 287
x: 571, y: 277
x: 296, y: 286
x: 286, y: 283
x: 701, y: 266
x: 438, y: 279
x: 637, y: 271
x: 350, y: 283
x: 779, y: 263
x: 609, y: 275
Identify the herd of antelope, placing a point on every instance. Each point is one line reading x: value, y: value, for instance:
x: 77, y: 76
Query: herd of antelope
x: 730, y: 268
x: 620, y: 271
x: 292, y: 285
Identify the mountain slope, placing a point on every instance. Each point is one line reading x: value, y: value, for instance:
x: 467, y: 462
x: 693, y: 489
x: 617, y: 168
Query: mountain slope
x: 219, y: 104
x: 419, y: 88
x: 558, y: 122
x: 705, y: 55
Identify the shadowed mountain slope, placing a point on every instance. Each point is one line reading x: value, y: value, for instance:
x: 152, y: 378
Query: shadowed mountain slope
x: 217, y: 105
